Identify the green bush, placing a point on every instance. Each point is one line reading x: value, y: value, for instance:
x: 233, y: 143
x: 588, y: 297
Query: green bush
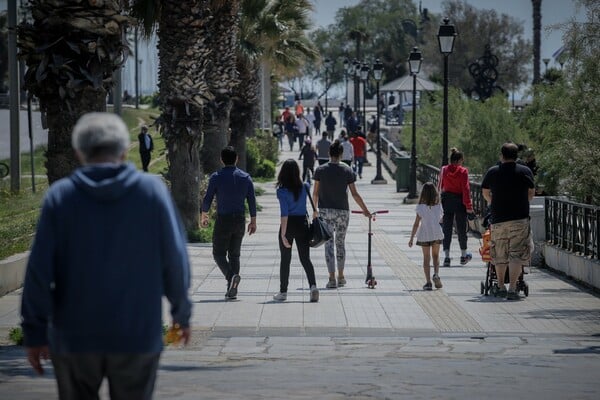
x: 16, y: 336
x: 253, y: 157
x: 266, y: 169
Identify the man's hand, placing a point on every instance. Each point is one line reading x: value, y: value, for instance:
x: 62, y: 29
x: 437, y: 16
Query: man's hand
x: 35, y: 355
x: 251, y: 227
x: 204, y: 220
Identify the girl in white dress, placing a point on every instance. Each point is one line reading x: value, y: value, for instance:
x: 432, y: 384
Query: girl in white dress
x: 429, y: 232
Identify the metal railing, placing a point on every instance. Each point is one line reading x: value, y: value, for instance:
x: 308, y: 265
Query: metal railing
x: 573, y: 226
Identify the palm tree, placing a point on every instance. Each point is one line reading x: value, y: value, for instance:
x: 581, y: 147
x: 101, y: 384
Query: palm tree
x: 537, y: 29
x: 272, y: 33
x: 222, y: 78
x: 71, y: 49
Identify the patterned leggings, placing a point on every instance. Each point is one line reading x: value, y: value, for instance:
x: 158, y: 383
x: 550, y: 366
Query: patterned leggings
x: 338, y: 221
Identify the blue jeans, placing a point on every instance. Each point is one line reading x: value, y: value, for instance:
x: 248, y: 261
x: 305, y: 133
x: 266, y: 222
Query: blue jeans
x: 358, y: 165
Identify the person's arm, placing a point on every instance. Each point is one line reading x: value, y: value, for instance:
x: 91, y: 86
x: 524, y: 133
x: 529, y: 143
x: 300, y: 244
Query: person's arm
x: 414, y: 230
x: 487, y: 195
x: 207, y: 201
x: 175, y: 264
x: 466, y: 195
x: 315, y: 197
x: 251, y: 198
x: 286, y: 243
x: 358, y: 199
x: 37, y: 298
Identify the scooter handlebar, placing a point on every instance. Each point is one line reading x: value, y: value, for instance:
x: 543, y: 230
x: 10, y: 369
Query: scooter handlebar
x: 372, y: 213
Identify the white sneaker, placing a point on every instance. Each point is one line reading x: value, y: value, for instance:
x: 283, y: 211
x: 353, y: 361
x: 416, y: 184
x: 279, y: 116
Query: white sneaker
x: 314, y: 294
x: 280, y: 296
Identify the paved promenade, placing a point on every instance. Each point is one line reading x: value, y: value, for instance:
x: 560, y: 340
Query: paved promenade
x: 393, y: 342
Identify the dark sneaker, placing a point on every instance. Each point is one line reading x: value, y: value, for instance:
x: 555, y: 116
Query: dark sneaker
x: 437, y: 282
x: 512, y: 296
x: 427, y: 286
x: 233, y: 287
x: 341, y: 282
x: 501, y: 292
x: 332, y: 284
x: 314, y: 294
x: 466, y: 259
x: 446, y: 262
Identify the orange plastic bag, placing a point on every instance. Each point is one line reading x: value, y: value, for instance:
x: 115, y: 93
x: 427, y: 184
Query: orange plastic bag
x: 484, y: 250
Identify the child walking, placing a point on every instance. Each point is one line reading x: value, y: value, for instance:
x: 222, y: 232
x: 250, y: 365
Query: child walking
x: 429, y: 232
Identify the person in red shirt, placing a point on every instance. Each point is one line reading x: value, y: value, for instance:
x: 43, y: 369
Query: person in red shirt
x: 456, y: 202
x: 285, y: 114
x: 359, y: 144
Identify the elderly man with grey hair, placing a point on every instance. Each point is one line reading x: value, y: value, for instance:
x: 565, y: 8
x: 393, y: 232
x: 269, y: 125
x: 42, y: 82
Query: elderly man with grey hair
x: 109, y: 244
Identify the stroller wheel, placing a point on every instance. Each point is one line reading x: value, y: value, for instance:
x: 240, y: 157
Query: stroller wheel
x: 526, y: 290
x: 482, y: 288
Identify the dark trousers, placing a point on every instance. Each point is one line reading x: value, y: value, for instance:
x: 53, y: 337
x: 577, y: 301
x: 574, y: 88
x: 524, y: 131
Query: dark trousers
x: 454, y: 209
x: 301, y: 140
x: 358, y: 165
x: 323, y: 161
x: 145, y: 156
x: 297, y: 228
x: 305, y: 169
x: 130, y: 376
x: 227, y: 243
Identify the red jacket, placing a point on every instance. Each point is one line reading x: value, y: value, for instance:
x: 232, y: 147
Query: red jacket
x: 454, y: 178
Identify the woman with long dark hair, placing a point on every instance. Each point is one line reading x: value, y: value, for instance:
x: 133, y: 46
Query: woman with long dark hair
x: 291, y: 193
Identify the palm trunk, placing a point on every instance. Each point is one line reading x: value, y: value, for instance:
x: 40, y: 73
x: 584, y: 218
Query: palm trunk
x: 183, y: 93
x: 245, y: 117
x: 60, y: 159
x: 222, y: 78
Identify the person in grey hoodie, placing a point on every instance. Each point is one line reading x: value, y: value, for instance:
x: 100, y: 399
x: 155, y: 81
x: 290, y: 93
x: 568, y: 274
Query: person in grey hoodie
x: 109, y: 244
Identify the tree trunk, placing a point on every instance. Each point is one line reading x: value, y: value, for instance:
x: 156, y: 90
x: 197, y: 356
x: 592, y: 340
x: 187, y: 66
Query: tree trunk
x: 222, y: 78
x: 60, y: 157
x: 183, y: 93
x: 245, y: 115
x: 537, y: 31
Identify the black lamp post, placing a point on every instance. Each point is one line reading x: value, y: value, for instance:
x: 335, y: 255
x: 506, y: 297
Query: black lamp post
x: 364, y: 76
x: 347, y: 66
x: 377, y: 73
x: 356, y: 80
x: 446, y: 35
x: 414, y: 66
x: 327, y: 64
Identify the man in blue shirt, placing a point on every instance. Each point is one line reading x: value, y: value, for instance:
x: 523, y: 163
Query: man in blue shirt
x: 233, y: 187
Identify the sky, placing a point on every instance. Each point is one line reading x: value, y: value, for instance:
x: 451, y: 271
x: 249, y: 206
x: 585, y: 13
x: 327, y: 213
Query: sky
x: 553, y: 12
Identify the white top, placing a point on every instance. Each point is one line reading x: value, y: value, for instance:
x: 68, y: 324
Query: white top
x: 430, y: 228
x: 348, y: 150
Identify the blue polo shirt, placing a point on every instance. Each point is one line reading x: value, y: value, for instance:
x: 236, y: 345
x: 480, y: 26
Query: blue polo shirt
x: 232, y: 186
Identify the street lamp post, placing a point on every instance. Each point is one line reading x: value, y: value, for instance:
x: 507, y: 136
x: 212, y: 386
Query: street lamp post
x: 377, y: 73
x: 347, y: 66
x: 356, y: 80
x: 327, y: 64
x: 364, y: 76
x: 414, y: 66
x: 446, y: 35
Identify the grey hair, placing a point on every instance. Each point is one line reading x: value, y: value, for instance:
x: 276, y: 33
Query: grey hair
x: 100, y: 135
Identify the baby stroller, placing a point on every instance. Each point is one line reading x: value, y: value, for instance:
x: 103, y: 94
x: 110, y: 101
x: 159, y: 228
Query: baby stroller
x: 491, y: 280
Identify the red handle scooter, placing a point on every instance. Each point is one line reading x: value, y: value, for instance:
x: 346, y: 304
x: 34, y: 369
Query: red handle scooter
x: 370, y: 279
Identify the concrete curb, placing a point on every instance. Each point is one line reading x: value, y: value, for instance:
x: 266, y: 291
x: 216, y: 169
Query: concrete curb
x: 12, y: 272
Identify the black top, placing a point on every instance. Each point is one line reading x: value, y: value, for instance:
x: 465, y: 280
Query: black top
x: 509, y: 183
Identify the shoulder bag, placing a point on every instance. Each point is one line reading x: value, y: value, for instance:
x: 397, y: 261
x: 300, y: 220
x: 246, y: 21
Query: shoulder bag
x: 320, y: 232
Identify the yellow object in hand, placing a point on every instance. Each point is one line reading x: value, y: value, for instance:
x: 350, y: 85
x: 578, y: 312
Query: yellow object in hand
x: 173, y: 335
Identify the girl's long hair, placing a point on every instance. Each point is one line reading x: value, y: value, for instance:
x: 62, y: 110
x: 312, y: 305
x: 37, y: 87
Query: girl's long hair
x: 289, y: 177
x: 429, y: 195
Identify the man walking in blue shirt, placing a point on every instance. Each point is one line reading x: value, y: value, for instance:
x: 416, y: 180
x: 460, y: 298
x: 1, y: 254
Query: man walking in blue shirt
x: 233, y: 187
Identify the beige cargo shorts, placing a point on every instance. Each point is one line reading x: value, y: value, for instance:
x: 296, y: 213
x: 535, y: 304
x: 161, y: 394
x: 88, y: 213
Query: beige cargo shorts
x: 511, y: 241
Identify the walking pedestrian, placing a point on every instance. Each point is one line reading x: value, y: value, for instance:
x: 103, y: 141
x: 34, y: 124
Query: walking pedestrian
x: 330, y: 194
x: 291, y: 193
x: 330, y: 124
x: 429, y: 233
x: 291, y: 130
x: 146, y: 147
x: 348, y: 153
x: 233, y: 188
x: 302, y: 129
x: 456, y: 202
x: 359, y: 145
x: 318, y: 111
x: 109, y: 244
x: 308, y: 154
x: 341, y: 110
x: 508, y: 188
x: 323, y: 146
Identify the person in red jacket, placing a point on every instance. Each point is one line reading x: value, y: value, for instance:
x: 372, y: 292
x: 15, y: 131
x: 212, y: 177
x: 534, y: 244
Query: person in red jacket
x: 456, y: 202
